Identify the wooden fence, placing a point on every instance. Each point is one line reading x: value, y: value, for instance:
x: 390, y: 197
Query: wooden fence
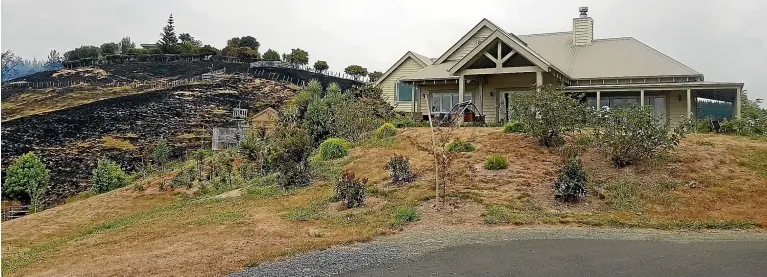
x: 204, y: 78
x: 309, y: 69
x: 15, y: 212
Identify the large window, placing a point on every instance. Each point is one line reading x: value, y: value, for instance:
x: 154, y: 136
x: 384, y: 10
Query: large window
x: 405, y: 92
x: 442, y: 102
x: 613, y: 101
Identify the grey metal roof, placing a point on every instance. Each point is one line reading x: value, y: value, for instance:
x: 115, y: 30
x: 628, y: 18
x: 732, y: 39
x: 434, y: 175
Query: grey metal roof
x: 433, y: 72
x: 682, y: 85
x: 604, y: 58
x: 423, y: 58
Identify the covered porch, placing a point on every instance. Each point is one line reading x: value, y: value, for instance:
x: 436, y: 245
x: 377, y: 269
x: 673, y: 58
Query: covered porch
x: 675, y: 101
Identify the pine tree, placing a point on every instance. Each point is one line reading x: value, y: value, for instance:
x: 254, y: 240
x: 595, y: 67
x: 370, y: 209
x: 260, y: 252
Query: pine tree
x: 169, y: 42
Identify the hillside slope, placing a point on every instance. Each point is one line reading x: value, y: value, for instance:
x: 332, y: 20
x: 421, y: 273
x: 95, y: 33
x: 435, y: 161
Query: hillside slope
x: 713, y: 182
x: 70, y: 140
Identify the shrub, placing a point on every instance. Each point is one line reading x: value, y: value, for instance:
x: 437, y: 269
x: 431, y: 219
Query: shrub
x: 495, y: 162
x: 460, y: 145
x: 334, y: 148
x: 513, y: 127
x: 289, y: 156
x: 548, y: 114
x: 81, y: 196
x: 404, y: 121
x: 27, y: 179
x: 386, y: 130
x: 571, y: 185
x: 497, y: 215
x: 351, y: 190
x: 632, y: 134
x: 107, y: 176
x: 402, y: 215
x: 399, y: 166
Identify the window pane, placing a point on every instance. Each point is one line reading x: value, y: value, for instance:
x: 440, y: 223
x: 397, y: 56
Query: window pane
x: 604, y: 102
x: 436, y: 102
x: 467, y: 97
x: 617, y: 103
x: 591, y: 101
x: 404, y: 92
x: 632, y: 101
x: 446, y: 103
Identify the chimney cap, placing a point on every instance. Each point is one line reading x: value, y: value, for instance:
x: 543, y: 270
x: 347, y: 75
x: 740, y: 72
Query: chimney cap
x: 584, y: 11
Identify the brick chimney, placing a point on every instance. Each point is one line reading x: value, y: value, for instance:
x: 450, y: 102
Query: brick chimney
x: 583, y: 28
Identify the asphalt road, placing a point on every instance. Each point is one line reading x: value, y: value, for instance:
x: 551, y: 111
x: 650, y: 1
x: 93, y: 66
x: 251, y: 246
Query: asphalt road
x: 584, y: 257
x: 535, y: 252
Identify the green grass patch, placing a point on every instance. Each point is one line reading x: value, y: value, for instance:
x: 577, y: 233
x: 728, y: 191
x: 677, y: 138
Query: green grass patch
x: 497, y: 215
x: 311, y: 211
x: 756, y: 160
x: 624, y: 196
x: 496, y: 162
x: 263, y: 191
x: 217, y: 218
x: 402, y: 215
x: 460, y: 145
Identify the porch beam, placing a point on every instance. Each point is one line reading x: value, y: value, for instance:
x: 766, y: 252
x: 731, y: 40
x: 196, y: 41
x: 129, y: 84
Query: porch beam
x: 689, y: 103
x: 508, y: 56
x: 491, y: 58
x: 518, y: 69
x: 737, y: 103
x: 599, y: 100
x: 499, y: 64
x: 461, y: 87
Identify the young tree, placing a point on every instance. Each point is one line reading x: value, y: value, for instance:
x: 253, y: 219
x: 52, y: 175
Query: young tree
x: 187, y: 38
x: 375, y: 75
x: 548, y: 113
x: 271, y: 55
x: 208, y: 50
x: 161, y: 156
x: 107, y: 176
x: 27, y: 179
x: 188, y: 48
x: 168, y: 41
x: 246, y: 53
x: 109, y: 48
x: 10, y: 64
x: 125, y: 44
x: 321, y: 66
x: 54, y: 61
x: 233, y: 42
x: 298, y: 57
x: 250, y: 42
x: 356, y: 71
x: 83, y: 52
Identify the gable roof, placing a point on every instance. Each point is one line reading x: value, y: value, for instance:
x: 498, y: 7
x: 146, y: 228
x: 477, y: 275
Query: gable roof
x: 515, y: 44
x: 420, y: 59
x: 268, y: 110
x: 605, y: 58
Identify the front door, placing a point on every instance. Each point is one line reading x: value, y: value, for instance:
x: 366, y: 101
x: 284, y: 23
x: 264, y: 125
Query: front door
x: 658, y: 105
x: 503, y: 107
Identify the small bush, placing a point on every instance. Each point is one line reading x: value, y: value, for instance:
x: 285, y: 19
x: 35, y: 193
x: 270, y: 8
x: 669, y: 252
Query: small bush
x: 334, y: 148
x: 385, y: 131
x: 351, y: 190
x: 633, y: 134
x: 27, y: 179
x: 513, y: 127
x: 402, y: 215
x: 81, y: 196
x: 496, y: 162
x: 289, y: 156
x: 571, y: 185
x: 460, y: 145
x: 404, y: 121
x: 399, y: 166
x: 497, y: 215
x: 107, y: 176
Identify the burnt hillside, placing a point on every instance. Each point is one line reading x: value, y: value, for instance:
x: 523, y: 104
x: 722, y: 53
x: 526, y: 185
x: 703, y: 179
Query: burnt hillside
x: 123, y: 129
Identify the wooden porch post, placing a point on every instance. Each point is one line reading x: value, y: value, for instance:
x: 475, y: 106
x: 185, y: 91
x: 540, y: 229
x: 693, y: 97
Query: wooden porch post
x: 538, y: 79
x: 413, y: 99
x: 737, y: 103
x: 689, y: 103
x: 481, y: 95
x: 599, y: 100
x: 641, y: 98
x: 461, y: 87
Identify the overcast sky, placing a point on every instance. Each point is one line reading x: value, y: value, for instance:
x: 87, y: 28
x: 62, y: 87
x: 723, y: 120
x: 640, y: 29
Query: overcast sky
x: 724, y: 40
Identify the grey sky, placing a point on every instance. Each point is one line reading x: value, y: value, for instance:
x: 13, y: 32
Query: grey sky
x: 724, y: 40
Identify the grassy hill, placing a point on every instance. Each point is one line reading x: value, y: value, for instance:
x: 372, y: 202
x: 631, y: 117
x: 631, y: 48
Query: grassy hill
x: 710, y: 182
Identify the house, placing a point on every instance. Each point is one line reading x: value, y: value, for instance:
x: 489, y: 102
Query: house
x: 488, y: 62
x: 148, y: 45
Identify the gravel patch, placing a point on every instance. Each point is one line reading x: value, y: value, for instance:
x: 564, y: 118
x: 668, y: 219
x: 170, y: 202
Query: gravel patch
x: 409, y: 245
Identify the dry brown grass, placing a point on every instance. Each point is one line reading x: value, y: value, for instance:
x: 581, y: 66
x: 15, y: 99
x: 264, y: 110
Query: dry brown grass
x: 113, y: 142
x: 155, y: 233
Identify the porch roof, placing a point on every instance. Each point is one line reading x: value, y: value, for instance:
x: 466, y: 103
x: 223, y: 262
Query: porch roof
x: 433, y: 72
x: 657, y: 86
